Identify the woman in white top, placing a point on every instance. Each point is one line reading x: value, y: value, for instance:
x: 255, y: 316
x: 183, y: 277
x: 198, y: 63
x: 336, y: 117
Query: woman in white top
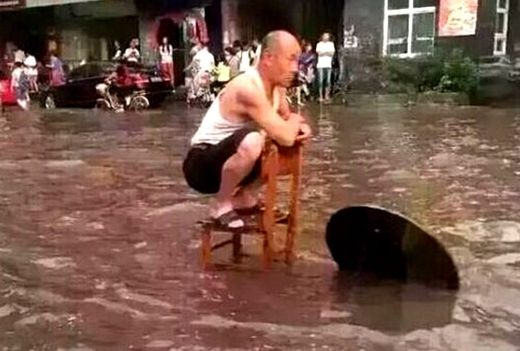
x: 245, y: 59
x: 325, y: 51
x: 166, y: 54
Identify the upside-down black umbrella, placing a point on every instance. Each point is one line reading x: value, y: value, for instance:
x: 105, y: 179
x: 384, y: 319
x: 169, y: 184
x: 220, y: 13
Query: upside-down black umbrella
x: 369, y: 239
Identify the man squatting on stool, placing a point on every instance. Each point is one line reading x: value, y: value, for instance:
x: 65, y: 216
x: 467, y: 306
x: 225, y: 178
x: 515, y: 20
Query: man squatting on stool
x: 225, y: 154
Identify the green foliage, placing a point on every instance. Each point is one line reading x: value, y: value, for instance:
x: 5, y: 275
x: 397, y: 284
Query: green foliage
x: 446, y: 73
x: 460, y: 74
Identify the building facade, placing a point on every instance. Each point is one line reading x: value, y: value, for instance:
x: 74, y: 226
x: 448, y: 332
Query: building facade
x: 75, y: 29
x: 78, y: 29
x: 409, y: 28
x: 246, y: 20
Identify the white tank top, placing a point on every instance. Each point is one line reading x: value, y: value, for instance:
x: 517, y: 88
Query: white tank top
x: 214, y: 127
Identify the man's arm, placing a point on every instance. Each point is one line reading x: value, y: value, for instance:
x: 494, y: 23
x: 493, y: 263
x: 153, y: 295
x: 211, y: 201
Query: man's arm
x: 256, y: 105
x: 283, y: 109
x: 285, y: 112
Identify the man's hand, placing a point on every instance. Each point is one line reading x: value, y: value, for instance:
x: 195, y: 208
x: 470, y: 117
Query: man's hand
x: 305, y: 133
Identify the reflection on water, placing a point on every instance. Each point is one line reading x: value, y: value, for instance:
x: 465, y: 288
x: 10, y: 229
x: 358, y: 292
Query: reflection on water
x: 99, y: 251
x: 393, y: 306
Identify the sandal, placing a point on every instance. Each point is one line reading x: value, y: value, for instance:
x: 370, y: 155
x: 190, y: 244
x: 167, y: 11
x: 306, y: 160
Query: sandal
x: 229, y: 221
x: 280, y: 216
x: 250, y: 211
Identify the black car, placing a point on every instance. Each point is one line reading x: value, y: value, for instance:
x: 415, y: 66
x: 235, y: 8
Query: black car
x: 80, y: 87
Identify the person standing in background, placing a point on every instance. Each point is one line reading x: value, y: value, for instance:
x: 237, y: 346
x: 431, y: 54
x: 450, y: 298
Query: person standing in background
x: 166, y: 54
x: 245, y: 58
x: 132, y: 54
x: 306, y: 71
x: 222, y: 73
x: 57, y: 73
x: 191, y: 69
x: 256, y: 50
x: 20, y: 85
x: 201, y: 67
x: 118, y: 53
x: 233, y: 60
x: 350, y: 45
x: 32, y: 73
x: 204, y: 60
x: 325, y: 50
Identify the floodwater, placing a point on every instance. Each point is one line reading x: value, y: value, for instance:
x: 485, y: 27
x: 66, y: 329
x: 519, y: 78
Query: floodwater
x: 99, y: 248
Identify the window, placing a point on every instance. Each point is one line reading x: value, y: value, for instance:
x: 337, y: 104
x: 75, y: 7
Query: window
x: 398, y: 4
x: 409, y: 27
x: 501, y: 24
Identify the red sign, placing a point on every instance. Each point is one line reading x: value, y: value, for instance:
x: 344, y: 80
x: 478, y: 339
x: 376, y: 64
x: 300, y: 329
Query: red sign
x: 11, y: 4
x: 458, y: 17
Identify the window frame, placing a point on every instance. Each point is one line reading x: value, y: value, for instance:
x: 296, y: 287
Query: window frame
x: 502, y: 35
x: 409, y: 11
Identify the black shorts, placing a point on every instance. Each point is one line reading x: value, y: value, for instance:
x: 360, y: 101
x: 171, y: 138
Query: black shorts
x: 203, y: 165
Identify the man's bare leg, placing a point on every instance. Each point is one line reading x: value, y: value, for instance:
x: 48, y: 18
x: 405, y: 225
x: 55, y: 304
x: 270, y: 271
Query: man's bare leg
x: 248, y: 196
x: 236, y: 168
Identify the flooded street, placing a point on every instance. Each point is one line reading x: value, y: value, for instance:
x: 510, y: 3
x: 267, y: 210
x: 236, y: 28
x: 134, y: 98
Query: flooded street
x: 99, y: 248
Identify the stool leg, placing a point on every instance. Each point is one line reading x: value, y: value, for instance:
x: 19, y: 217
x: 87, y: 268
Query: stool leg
x: 294, y: 205
x: 206, y: 247
x: 268, y: 215
x: 237, y: 248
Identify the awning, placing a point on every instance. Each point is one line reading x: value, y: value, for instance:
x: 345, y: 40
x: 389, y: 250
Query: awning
x: 11, y: 4
x: 39, y: 3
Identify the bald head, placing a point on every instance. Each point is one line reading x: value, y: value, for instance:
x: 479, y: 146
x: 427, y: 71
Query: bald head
x: 279, y: 58
x: 278, y: 41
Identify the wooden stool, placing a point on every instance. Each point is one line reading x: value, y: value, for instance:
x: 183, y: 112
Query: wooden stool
x: 276, y: 161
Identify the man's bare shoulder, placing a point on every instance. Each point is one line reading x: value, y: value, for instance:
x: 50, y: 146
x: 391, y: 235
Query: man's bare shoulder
x: 243, y: 89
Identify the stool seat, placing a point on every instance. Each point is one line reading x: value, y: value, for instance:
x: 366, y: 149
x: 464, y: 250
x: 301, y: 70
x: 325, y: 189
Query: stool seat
x: 276, y: 161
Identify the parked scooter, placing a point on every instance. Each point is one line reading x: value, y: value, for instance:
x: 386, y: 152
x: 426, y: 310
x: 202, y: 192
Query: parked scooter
x: 136, y: 101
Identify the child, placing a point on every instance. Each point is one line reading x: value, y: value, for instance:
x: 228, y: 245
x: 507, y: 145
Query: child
x: 20, y: 84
